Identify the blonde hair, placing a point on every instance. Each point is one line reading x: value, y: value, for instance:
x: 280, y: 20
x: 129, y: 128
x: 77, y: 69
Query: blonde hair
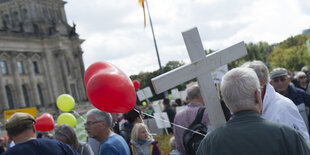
x: 299, y: 74
x: 135, y: 131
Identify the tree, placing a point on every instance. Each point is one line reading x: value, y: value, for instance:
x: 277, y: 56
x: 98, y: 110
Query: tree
x: 259, y: 51
x: 290, y: 54
x: 145, y: 77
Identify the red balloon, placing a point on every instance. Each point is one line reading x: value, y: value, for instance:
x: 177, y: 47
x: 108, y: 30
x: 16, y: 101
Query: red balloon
x: 5, y: 138
x: 136, y: 84
x: 93, y: 69
x: 45, y: 122
x: 111, y: 90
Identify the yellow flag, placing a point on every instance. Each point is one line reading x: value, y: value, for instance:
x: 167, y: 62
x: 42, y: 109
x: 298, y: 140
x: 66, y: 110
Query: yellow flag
x: 141, y: 2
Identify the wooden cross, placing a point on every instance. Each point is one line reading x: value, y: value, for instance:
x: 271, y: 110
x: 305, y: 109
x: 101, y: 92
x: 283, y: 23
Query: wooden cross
x: 200, y: 68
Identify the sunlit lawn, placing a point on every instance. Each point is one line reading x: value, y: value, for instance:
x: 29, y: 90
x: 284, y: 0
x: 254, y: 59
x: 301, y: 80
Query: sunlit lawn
x: 163, y: 143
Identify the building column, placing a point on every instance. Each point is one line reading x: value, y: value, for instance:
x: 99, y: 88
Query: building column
x: 80, y: 82
x: 64, y: 71
x: 19, y: 96
x: 32, y: 78
x: 3, y: 97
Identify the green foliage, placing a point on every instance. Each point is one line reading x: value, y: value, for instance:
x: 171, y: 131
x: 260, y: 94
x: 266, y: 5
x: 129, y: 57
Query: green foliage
x: 290, y: 54
x: 259, y: 51
x: 145, y: 78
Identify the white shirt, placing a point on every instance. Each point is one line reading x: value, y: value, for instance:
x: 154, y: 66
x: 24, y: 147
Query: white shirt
x: 280, y: 109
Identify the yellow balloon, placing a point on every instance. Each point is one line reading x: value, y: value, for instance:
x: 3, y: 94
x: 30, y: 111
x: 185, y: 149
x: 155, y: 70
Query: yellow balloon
x: 66, y: 118
x: 144, y: 103
x: 65, y: 102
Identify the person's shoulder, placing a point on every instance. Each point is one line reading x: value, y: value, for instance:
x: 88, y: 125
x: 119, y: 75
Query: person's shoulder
x: 114, y: 139
x: 182, y: 113
x: 283, y: 102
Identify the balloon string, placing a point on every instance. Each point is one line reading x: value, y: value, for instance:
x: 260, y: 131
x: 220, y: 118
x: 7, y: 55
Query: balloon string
x: 169, y: 122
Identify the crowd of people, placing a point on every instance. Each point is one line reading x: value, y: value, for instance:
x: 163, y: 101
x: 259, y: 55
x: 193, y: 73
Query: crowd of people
x: 266, y: 113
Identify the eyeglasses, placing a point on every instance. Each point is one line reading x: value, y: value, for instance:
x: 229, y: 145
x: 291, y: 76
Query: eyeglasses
x: 90, y: 123
x: 282, y: 79
x: 302, y: 77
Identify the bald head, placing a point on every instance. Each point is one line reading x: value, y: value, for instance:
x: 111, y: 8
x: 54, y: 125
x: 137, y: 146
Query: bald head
x: 193, y: 94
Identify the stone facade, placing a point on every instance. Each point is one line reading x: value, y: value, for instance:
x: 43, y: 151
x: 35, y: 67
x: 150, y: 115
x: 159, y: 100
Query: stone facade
x: 40, y: 55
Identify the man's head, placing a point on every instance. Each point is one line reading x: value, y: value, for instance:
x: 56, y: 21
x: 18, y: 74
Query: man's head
x: 114, y: 117
x: 193, y: 94
x: 305, y: 69
x: 20, y: 127
x: 240, y: 89
x: 279, y: 80
x: 166, y: 102
x: 98, y: 124
x: 261, y: 71
x: 18, y: 123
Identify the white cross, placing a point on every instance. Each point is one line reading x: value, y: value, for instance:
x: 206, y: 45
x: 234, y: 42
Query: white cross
x: 200, y: 68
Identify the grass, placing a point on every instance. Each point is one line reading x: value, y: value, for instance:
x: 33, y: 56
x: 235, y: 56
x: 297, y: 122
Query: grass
x: 163, y: 143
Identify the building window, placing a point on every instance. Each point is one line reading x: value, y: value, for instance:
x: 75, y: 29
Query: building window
x: 4, y: 67
x: 26, y: 15
x: 26, y: 97
x: 36, y: 67
x: 20, y: 67
x: 15, y: 19
x: 68, y: 67
x: 7, y: 19
x: 41, y: 95
x: 9, y: 97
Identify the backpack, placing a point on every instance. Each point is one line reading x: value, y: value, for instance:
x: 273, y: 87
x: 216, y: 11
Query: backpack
x: 192, y: 140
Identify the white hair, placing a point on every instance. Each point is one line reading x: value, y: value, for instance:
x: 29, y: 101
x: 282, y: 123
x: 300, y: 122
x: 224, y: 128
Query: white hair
x: 238, y: 88
x: 260, y: 68
x: 101, y: 116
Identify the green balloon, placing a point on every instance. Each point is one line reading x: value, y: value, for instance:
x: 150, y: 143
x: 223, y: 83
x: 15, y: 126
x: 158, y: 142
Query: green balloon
x: 65, y: 102
x: 66, y: 118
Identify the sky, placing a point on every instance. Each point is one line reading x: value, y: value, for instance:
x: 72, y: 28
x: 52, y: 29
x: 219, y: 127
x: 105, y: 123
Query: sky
x: 114, y: 32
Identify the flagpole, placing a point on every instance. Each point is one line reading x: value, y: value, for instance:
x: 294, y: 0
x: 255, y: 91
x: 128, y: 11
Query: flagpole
x: 148, y: 10
x: 155, y: 44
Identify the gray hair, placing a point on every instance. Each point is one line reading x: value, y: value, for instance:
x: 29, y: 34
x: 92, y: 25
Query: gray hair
x: 101, y: 116
x: 260, y: 69
x: 238, y: 88
x: 66, y: 132
x: 193, y: 92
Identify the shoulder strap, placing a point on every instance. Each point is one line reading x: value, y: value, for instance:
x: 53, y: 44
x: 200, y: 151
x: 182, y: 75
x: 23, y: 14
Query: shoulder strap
x: 199, y: 115
x: 151, y: 149
x: 132, y: 148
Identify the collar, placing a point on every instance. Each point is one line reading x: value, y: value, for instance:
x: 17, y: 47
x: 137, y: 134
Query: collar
x: 194, y: 104
x: 245, y: 115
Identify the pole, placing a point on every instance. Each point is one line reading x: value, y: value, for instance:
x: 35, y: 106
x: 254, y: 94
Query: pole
x: 148, y: 10
x: 155, y: 44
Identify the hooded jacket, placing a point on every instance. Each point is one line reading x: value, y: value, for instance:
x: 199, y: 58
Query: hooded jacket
x: 148, y: 148
x: 278, y: 108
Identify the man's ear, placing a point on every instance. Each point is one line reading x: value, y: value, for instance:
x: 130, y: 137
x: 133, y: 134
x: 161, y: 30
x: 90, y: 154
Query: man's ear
x: 9, y: 136
x: 258, y: 100
x: 34, y: 128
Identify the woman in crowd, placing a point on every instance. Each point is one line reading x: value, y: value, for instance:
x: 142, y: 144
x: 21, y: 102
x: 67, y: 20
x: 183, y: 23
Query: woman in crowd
x: 302, y: 80
x: 141, y: 142
x: 132, y: 117
x: 66, y: 134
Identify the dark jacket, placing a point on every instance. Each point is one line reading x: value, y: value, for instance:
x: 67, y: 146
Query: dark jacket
x: 297, y: 95
x: 248, y: 133
x: 126, y: 131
